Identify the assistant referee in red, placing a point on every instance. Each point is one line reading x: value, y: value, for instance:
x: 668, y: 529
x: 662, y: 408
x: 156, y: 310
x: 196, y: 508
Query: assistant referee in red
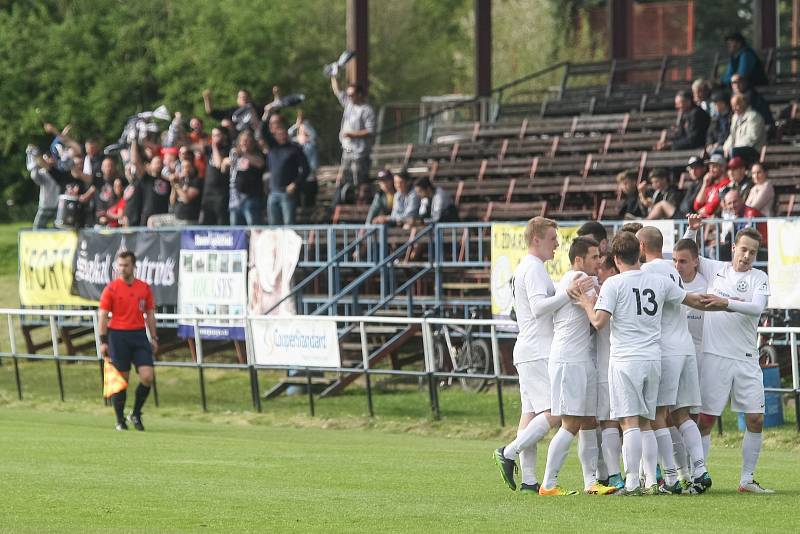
x: 123, y: 338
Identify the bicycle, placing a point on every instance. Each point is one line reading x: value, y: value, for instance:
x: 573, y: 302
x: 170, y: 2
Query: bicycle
x: 472, y: 356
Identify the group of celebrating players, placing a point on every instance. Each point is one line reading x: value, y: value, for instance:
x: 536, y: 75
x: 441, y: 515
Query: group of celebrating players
x: 637, y: 355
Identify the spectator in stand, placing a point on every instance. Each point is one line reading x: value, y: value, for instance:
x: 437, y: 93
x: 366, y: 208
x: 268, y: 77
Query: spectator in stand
x: 405, y: 204
x: 381, y: 208
x: 733, y: 208
x: 305, y: 135
x: 214, y: 205
x: 288, y: 169
x: 737, y: 179
x: 701, y: 95
x: 696, y: 169
x: 692, y: 125
x: 357, y: 133
x: 435, y: 204
x: 707, y: 200
x: 246, y: 191
x: 743, y: 61
x: 148, y: 191
x: 93, y: 162
x: 116, y: 212
x: 185, y: 195
x: 631, y: 207
x: 720, y: 127
x: 741, y: 86
x: 49, y: 188
x: 243, y: 117
x: 762, y: 194
x: 662, y: 199
x: 748, y: 134
x: 105, y: 196
x: 198, y: 138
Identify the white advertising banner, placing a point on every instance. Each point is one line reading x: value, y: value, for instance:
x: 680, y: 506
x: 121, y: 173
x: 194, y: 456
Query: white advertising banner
x: 783, y: 239
x: 667, y: 228
x: 301, y: 342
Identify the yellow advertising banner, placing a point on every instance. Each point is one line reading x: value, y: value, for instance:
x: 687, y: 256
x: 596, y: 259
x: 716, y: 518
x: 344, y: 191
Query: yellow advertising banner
x: 508, y: 249
x: 45, y: 269
x: 783, y: 238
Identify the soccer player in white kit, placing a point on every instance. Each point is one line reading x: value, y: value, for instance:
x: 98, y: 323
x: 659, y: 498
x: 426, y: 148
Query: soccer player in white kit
x: 573, y: 379
x: 685, y: 259
x: 632, y: 302
x: 535, y: 299
x: 679, y: 388
x: 730, y: 367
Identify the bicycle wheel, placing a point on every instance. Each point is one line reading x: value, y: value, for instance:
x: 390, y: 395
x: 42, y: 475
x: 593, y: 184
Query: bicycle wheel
x: 476, y: 358
x: 767, y: 355
x: 441, y: 357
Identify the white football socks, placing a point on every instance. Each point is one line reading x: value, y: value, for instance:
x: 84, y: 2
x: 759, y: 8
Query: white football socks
x: 696, y: 445
x: 751, y: 448
x: 649, y: 457
x: 527, y: 463
x: 681, y: 455
x: 530, y: 435
x: 556, y: 454
x: 602, y: 470
x: 612, y: 450
x: 587, y: 453
x: 667, y: 454
x: 632, y: 456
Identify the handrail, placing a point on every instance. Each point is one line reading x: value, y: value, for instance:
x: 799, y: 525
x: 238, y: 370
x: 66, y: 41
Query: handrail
x: 369, y: 272
x: 324, y: 267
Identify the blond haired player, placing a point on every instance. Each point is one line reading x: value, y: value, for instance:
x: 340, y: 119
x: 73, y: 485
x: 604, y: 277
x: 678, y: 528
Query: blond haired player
x: 535, y: 300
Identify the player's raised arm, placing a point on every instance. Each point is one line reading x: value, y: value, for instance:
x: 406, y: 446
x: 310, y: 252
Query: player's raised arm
x: 707, y: 267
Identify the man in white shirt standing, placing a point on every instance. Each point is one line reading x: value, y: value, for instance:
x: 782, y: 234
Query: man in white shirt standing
x: 633, y: 302
x: 573, y: 379
x: 730, y: 366
x: 535, y: 300
x: 679, y: 388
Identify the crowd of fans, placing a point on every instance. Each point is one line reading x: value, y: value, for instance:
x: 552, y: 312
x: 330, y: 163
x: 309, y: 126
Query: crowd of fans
x: 253, y: 168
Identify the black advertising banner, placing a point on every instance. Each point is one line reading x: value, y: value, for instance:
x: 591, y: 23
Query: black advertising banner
x: 156, y: 262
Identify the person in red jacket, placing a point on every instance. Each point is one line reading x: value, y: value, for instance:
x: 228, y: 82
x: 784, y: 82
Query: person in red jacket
x: 707, y: 200
x: 123, y: 338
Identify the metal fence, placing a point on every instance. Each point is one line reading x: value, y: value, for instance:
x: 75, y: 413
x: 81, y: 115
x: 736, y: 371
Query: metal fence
x: 431, y: 372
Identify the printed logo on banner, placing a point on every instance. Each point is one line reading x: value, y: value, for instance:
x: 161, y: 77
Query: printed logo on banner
x: 212, y: 282
x: 301, y: 342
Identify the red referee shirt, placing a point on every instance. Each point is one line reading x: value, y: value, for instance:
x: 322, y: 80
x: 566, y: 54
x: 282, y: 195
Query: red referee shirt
x: 127, y: 303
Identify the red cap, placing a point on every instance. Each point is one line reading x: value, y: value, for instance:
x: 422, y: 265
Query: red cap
x: 173, y: 150
x: 736, y: 163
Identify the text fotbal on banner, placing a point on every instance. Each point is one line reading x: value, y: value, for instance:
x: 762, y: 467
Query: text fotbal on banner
x: 45, y: 269
x: 213, y: 282
x: 783, y: 238
x: 508, y: 248
x: 300, y: 342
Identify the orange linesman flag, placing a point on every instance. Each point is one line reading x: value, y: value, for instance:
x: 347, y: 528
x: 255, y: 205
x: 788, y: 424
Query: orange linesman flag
x: 113, y: 381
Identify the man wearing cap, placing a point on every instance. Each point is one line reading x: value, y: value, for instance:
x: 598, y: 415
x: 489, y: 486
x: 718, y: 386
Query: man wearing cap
x: 663, y: 199
x: 748, y: 133
x: 720, y: 127
x: 738, y: 179
x: 692, y: 125
x: 707, y: 200
x: 382, y: 202
x: 743, y: 61
x: 696, y: 169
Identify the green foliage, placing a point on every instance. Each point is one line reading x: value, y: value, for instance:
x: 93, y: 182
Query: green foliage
x: 92, y: 63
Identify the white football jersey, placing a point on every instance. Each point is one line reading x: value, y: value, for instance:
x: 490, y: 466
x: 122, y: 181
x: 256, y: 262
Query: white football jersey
x: 571, y: 328
x: 535, y: 335
x: 732, y: 334
x: 675, y: 337
x: 635, y: 300
x: 693, y: 316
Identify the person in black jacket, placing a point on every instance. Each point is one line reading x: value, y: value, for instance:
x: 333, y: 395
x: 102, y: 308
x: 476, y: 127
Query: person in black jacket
x: 692, y: 125
x: 288, y: 168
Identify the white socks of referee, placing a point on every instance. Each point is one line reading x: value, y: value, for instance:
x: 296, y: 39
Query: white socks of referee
x: 696, y: 445
x: 667, y: 454
x: 612, y: 450
x: 751, y: 448
x: 556, y: 454
x: 632, y: 456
